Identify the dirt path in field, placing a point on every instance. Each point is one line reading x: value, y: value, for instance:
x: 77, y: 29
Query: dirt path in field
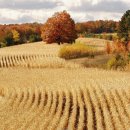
x: 96, y: 62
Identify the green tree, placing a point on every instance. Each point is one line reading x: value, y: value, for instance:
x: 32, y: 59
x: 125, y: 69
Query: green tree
x: 124, y: 28
x: 8, y: 39
x: 34, y: 38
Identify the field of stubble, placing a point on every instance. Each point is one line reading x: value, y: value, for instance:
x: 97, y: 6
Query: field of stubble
x: 39, y: 91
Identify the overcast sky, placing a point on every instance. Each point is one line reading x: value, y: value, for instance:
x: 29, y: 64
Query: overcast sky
x: 22, y: 11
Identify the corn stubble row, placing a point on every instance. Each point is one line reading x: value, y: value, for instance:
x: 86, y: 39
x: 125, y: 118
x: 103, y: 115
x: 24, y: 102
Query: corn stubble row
x: 34, y: 61
x: 37, y: 55
x: 33, y: 56
x: 58, y: 100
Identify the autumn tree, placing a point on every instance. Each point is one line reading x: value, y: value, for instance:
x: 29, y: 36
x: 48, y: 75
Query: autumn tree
x: 16, y: 36
x: 2, y: 35
x: 80, y: 28
x: 59, y: 28
x: 124, y: 28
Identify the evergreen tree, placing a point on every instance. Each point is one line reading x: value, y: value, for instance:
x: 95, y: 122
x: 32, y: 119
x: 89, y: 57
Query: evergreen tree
x: 124, y: 28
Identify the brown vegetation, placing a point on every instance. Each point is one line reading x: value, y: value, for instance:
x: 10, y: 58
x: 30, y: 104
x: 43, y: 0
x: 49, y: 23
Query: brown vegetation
x: 60, y: 28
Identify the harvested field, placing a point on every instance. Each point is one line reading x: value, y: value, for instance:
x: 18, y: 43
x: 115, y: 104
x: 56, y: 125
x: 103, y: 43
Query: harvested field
x: 35, y: 55
x: 60, y: 99
x: 70, y: 97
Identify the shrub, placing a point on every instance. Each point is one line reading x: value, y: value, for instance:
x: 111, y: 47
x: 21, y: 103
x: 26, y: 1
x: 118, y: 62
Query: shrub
x: 108, y: 48
x: 78, y: 50
x: 2, y: 44
x: 119, y: 61
x: 128, y: 56
x: 119, y: 47
x: 128, y: 46
x: 109, y: 37
x: 34, y: 38
x: 89, y: 35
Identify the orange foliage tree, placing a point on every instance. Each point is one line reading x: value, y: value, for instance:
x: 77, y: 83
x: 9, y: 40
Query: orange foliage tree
x: 59, y: 28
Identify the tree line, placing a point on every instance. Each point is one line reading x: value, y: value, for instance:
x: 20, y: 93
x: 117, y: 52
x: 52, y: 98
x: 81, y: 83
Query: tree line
x: 61, y: 28
x: 19, y: 33
x: 31, y: 32
x: 97, y: 27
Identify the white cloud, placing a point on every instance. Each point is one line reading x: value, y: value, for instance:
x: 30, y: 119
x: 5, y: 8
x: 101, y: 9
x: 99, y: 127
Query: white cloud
x: 78, y: 3
x: 19, y: 11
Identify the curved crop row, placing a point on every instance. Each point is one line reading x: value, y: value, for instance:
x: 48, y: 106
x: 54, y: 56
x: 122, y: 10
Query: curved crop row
x: 34, y: 61
x: 84, y: 108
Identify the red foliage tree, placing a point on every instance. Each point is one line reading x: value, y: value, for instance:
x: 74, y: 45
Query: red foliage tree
x: 59, y: 28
